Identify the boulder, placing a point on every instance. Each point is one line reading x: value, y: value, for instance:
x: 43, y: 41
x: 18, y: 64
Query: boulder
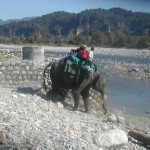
x: 113, y: 138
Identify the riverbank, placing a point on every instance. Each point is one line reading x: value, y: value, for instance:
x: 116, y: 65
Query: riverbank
x: 27, y: 121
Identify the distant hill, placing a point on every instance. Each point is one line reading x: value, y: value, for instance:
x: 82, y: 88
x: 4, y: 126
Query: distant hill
x: 1, y: 21
x: 15, y: 20
x: 114, y: 26
x: 63, y: 23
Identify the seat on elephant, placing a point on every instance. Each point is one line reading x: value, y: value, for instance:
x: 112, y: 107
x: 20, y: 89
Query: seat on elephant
x: 77, y: 67
x: 78, y: 61
x: 70, y: 67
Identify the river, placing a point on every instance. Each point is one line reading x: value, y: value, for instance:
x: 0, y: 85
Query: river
x: 133, y: 96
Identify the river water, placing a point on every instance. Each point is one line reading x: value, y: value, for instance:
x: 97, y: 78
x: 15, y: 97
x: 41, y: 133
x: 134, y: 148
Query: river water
x: 133, y: 96
x: 130, y: 96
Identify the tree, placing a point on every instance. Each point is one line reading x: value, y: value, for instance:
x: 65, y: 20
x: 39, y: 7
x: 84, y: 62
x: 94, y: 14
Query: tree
x: 144, y: 42
x: 111, y: 38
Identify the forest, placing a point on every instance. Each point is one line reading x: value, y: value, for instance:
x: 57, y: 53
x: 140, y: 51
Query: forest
x: 114, y: 27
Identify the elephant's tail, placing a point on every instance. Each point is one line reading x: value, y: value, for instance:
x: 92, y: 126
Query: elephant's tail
x: 46, y: 74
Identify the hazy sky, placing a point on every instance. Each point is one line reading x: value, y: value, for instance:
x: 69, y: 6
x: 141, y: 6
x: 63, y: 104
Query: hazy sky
x: 17, y: 9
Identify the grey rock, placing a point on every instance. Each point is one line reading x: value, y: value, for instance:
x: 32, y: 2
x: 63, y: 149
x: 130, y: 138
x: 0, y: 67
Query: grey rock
x: 112, y: 118
x: 120, y: 119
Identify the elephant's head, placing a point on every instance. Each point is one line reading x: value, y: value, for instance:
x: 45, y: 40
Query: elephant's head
x: 99, y: 85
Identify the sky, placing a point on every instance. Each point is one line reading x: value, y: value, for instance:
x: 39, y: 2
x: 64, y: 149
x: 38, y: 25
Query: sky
x: 17, y: 9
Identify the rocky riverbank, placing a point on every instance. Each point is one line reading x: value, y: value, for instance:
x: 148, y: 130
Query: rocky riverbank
x: 28, y: 121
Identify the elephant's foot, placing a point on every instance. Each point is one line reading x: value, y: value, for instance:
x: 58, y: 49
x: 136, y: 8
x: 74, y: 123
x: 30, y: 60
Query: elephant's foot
x: 75, y: 109
x: 87, y: 110
x: 105, y: 112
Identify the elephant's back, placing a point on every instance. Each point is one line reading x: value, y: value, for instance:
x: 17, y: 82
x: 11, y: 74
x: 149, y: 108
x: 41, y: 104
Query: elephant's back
x: 56, y: 70
x: 56, y: 65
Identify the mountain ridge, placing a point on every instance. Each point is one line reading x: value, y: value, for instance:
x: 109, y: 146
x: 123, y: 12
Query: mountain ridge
x: 2, y: 22
x: 62, y: 23
x: 94, y: 26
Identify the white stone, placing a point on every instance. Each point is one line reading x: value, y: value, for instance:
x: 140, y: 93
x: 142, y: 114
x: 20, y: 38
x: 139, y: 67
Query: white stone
x: 112, y: 118
x: 15, y: 96
x: 111, y: 139
x: 60, y: 105
x: 105, y: 127
x: 22, y: 95
x: 76, y: 126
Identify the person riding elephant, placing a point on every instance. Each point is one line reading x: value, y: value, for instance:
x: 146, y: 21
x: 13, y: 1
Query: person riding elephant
x: 85, y: 58
x: 91, y: 54
x: 82, y: 53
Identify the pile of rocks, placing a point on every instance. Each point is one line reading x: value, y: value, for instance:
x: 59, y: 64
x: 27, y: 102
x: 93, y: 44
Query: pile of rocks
x: 27, y: 121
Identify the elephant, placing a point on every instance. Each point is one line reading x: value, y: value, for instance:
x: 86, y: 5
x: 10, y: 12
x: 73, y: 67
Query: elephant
x: 79, y: 85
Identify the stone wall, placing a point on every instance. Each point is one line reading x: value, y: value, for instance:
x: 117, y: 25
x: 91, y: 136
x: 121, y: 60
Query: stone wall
x: 10, y: 51
x: 20, y: 73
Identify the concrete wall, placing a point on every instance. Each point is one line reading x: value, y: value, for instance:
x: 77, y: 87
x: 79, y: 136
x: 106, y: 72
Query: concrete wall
x: 33, y: 53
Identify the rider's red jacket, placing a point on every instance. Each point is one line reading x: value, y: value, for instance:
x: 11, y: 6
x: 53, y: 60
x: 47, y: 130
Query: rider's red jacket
x: 82, y: 53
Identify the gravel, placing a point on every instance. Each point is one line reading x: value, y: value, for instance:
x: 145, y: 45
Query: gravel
x: 28, y: 121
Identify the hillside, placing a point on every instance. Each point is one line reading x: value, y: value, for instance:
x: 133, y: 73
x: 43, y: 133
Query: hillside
x: 63, y: 23
x: 94, y: 24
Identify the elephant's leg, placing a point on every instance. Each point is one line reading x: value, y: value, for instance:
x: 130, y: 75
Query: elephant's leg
x: 86, y: 103
x: 105, y: 109
x: 85, y: 96
x: 102, y: 93
x: 79, y: 87
x: 103, y: 100
x: 76, y: 96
